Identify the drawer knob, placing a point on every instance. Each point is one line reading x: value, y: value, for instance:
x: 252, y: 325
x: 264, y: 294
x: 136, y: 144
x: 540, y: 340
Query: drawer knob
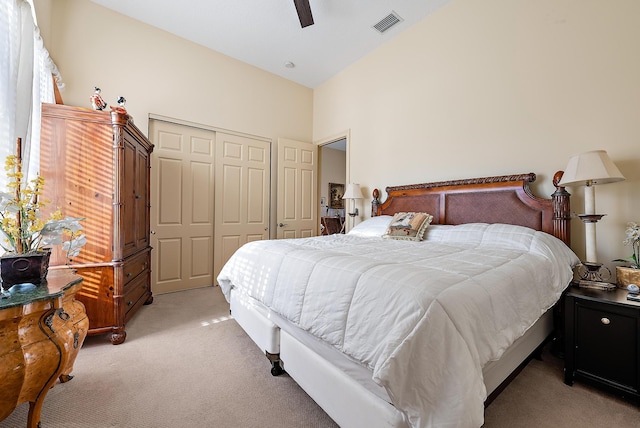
x: 605, y: 321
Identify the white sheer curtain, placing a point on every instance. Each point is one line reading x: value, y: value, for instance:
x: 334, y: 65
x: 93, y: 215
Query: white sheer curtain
x: 25, y: 82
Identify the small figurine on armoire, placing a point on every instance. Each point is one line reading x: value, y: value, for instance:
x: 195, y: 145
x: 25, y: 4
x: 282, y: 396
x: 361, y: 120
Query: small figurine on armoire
x: 120, y: 109
x: 96, y: 100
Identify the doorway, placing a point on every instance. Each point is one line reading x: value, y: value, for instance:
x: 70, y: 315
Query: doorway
x: 333, y: 175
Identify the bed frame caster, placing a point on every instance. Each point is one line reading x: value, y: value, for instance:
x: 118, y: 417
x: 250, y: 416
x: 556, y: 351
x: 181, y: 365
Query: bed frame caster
x: 276, y: 370
x: 276, y: 367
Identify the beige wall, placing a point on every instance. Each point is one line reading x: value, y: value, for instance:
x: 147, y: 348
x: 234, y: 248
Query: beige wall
x: 159, y: 73
x: 476, y: 89
x: 499, y: 87
x: 162, y: 74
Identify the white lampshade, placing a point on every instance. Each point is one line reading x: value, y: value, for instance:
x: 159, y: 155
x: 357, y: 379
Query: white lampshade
x: 590, y: 168
x: 353, y: 192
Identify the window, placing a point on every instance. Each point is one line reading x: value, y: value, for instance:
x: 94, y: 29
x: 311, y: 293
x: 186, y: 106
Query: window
x: 26, y: 71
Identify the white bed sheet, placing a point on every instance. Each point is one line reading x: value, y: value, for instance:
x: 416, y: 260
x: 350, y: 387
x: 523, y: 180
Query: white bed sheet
x: 385, y: 304
x: 264, y: 326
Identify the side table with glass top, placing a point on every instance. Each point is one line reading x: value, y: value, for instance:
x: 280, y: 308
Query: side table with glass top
x: 42, y: 328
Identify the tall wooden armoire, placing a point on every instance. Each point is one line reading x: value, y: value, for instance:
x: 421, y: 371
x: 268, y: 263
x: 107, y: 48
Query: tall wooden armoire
x: 96, y: 166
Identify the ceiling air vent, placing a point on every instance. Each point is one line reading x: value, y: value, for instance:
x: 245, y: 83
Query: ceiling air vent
x: 387, y: 22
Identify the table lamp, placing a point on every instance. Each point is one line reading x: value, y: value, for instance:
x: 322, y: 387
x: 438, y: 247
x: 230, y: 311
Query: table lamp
x: 589, y: 169
x: 353, y: 192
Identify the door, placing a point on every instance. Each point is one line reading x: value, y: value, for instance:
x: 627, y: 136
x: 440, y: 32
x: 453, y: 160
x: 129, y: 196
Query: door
x: 135, y: 196
x: 297, y: 189
x: 128, y: 192
x: 182, y: 203
x: 242, y: 194
x: 332, y: 169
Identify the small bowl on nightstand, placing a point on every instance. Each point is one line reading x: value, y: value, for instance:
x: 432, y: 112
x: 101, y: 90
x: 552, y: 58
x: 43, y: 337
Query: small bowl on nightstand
x: 634, y: 292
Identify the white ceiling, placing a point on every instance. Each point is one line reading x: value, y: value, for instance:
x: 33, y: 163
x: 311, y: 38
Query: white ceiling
x: 267, y: 33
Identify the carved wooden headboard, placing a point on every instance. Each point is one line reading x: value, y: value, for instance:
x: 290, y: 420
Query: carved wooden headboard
x: 503, y: 199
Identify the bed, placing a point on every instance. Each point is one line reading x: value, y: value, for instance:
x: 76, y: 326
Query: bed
x: 416, y: 331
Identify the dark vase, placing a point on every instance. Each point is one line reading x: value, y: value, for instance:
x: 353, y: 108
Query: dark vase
x: 24, y: 268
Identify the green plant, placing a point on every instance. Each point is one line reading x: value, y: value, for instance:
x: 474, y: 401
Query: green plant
x: 20, y: 223
x: 633, y: 238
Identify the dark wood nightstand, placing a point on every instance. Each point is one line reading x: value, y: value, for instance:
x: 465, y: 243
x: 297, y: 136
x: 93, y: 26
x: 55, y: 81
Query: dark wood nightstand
x: 602, y: 340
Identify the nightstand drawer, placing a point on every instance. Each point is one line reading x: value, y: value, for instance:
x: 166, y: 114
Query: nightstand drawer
x: 606, y: 342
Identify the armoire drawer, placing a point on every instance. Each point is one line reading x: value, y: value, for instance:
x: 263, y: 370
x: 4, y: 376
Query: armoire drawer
x: 135, y: 291
x: 135, y: 266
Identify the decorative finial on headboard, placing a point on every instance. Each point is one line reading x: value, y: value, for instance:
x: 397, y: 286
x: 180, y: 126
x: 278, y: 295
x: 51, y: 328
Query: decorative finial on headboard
x: 561, y: 209
x: 556, y: 179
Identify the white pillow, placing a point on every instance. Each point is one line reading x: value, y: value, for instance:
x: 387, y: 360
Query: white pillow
x: 372, y: 227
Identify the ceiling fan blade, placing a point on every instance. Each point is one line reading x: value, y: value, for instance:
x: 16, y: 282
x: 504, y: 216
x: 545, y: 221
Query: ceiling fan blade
x: 304, y: 12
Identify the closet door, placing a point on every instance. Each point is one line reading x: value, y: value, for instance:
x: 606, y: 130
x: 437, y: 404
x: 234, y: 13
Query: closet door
x: 181, y: 206
x: 211, y: 194
x: 242, y: 189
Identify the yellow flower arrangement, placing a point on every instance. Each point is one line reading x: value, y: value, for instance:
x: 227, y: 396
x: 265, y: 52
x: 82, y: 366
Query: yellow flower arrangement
x: 20, y: 223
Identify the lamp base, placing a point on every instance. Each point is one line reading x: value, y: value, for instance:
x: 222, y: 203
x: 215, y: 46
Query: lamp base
x: 590, y: 218
x: 591, y: 276
x: 596, y: 285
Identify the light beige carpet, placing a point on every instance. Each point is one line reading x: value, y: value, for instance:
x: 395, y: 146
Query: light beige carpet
x: 185, y: 363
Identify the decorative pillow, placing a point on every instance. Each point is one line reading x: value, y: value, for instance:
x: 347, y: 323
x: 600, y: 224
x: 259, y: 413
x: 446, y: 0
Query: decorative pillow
x: 410, y: 226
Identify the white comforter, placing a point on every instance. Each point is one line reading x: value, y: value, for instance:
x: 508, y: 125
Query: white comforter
x: 425, y: 317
